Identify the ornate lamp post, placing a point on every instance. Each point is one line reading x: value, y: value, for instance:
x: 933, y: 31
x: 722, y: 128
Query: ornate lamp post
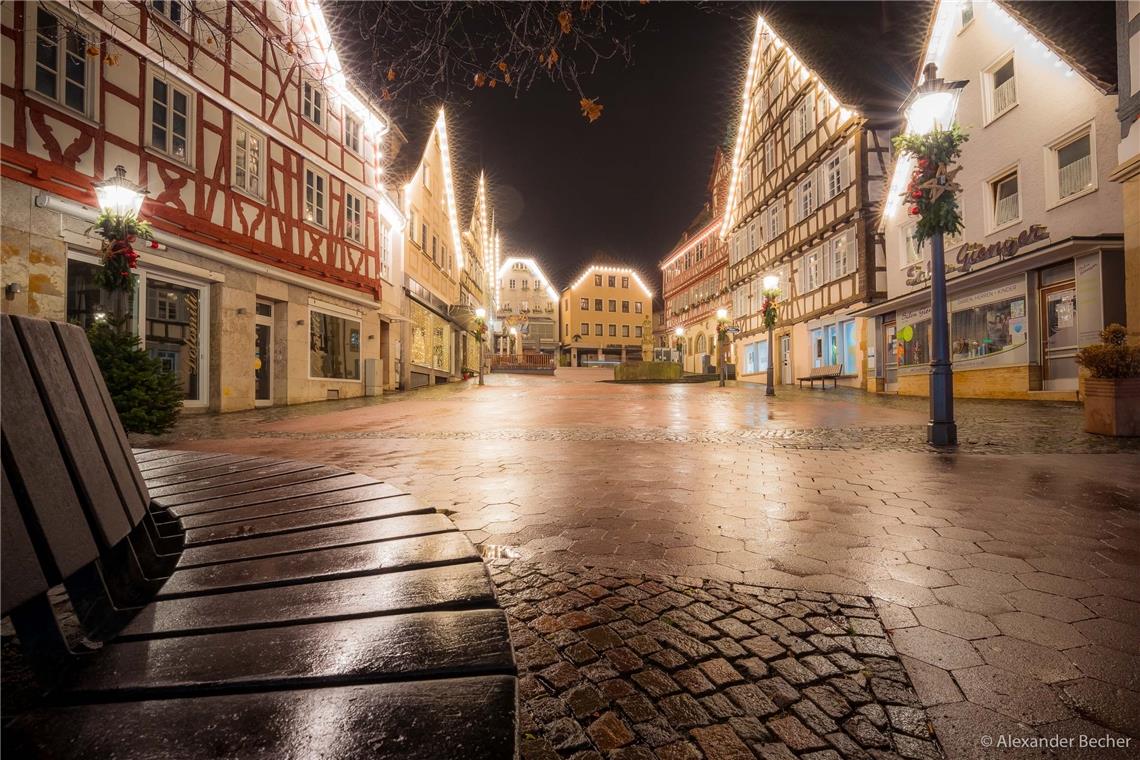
x: 679, y: 332
x: 119, y: 225
x: 936, y: 142
x: 771, y: 294
x: 721, y: 342
x: 480, y: 330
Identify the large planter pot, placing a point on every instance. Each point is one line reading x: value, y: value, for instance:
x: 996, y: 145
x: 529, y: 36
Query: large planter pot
x: 1112, y: 407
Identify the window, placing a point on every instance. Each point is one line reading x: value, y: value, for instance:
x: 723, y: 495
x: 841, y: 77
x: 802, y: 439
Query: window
x: 352, y: 133
x: 435, y: 253
x: 512, y: 284
x: 805, y: 198
x: 637, y: 333
x: 613, y: 305
x: 842, y: 252
x: 625, y: 307
x: 1001, y: 88
x: 313, y: 102
x: 625, y: 331
x: 334, y: 346
x: 803, y: 119
x: 612, y: 281
x: 637, y: 307
x: 597, y: 279
x: 315, y: 197
x: 584, y: 304
x: 61, y: 71
x: 836, y: 172
x: 966, y: 12
x: 775, y: 220
x: 171, y: 10
x: 769, y: 155
x: 385, y: 250
x: 597, y: 304
x: 914, y: 343
x: 412, y: 225
x: 1004, y: 200
x: 850, y: 346
x: 169, y: 119
x: 987, y: 329
x: 173, y: 332
x: 585, y: 328
x: 425, y: 175
x: 1069, y: 163
x: 613, y: 331
x: 249, y: 147
x: 625, y: 280
x: 353, y: 218
x: 598, y: 329
x: 423, y: 236
x: 912, y: 253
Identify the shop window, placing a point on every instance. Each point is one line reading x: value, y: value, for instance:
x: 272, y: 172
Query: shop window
x: 87, y: 303
x: 249, y: 147
x: 334, y: 346
x: 1069, y: 167
x: 313, y: 102
x: 60, y: 69
x: 987, y: 329
x: 1004, y: 201
x: 1000, y: 88
x: 850, y: 346
x: 315, y: 197
x: 914, y: 340
x: 174, y: 331
x: 170, y: 119
x: 817, y: 347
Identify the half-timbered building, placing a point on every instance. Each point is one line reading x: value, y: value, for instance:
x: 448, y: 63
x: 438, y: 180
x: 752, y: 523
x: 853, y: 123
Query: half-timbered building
x: 475, y: 284
x: 262, y: 164
x: 694, y: 277
x: 811, y: 154
x: 1038, y: 269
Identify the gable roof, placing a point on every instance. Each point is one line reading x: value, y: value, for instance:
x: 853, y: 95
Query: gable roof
x: 1082, y: 34
x: 866, y: 53
x: 416, y: 130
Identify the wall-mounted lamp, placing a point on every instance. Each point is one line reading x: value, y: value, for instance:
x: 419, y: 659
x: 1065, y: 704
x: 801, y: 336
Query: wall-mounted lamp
x: 12, y: 289
x: 242, y: 310
x: 300, y: 323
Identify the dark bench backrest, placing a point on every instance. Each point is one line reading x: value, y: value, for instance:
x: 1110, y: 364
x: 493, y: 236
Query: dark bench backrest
x: 72, y: 488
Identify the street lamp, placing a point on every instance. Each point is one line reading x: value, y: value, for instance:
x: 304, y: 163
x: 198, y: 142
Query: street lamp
x: 118, y: 196
x: 680, y: 333
x: 120, y: 201
x: 771, y: 293
x: 721, y: 339
x: 931, y: 108
x: 481, y: 327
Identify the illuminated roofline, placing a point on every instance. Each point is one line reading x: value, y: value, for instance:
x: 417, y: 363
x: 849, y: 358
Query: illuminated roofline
x: 449, y: 189
x: 688, y: 244
x: 603, y: 268
x: 532, y: 265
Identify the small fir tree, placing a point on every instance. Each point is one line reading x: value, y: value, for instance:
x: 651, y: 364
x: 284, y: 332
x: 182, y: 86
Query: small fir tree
x: 147, y: 397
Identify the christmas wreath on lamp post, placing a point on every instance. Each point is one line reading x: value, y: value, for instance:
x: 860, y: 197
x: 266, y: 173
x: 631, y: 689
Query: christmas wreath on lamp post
x: 932, y: 193
x: 119, y: 225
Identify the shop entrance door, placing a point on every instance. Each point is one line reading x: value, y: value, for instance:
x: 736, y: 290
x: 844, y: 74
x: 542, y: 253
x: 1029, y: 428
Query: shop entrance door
x: 786, y: 359
x: 1059, y: 337
x: 890, y: 357
x: 263, y: 355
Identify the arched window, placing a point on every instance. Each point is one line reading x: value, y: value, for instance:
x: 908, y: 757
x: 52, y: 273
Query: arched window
x: 702, y: 344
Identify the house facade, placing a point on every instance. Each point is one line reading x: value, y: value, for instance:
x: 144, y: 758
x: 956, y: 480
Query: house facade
x: 808, y: 169
x: 1038, y: 269
x: 694, y: 278
x: 606, y: 316
x: 273, y: 229
x: 527, y: 303
x: 1127, y: 171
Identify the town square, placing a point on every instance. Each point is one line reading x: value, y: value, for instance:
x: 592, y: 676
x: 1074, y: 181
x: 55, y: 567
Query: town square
x: 593, y: 380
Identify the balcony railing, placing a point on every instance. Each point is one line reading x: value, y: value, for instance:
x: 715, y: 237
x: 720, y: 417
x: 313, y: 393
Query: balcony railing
x: 1075, y: 177
x: 1005, y: 96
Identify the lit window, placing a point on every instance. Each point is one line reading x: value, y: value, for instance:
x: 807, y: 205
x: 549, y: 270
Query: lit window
x: 637, y: 331
x: 249, y: 147
x: 1001, y: 89
x: 637, y: 307
x: 353, y: 218
x: 598, y: 304
x: 1071, y: 167
x: 803, y: 119
x: 769, y: 155
x: 613, y: 305
x: 334, y: 346
x: 352, y: 133
x: 613, y: 331
x: 585, y: 328
x: 313, y: 103
x: 314, y: 197
x: 1005, y: 200
x: 842, y: 254
x: 625, y: 307
x: 597, y: 279
x: 625, y: 280
x: 512, y: 284
x: 625, y: 331
x: 612, y: 281
x: 912, y: 253
x: 835, y: 170
x: 598, y: 329
x: 412, y: 225
x: 805, y: 198
x: 169, y: 119
x: 584, y: 304
x: 61, y: 69
x: 812, y: 270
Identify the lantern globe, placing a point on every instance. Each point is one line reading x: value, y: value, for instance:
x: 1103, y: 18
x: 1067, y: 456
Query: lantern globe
x: 771, y: 282
x: 118, y: 196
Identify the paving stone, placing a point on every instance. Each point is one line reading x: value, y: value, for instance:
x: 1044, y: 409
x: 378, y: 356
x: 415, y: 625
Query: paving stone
x: 656, y: 732
x: 678, y: 751
x: 693, y: 681
x: 559, y: 676
x: 1048, y: 633
x: 668, y: 659
x: 917, y: 749
x: 683, y: 711
x: 823, y: 667
x: 580, y: 653
x: 728, y: 648
x: 720, y: 706
x: 633, y: 752
x: 720, y: 672
x: 565, y: 734
x: 1023, y: 699
x: 585, y: 700
x: 793, y: 671
x: 933, y: 685
x: 1108, y: 705
x: 763, y: 647
x: 935, y: 648
x: 750, y: 729
x: 637, y: 708
x: 815, y: 719
x: 774, y: 751
x: 750, y: 699
x: 720, y: 742
x: 1028, y: 659
x: 610, y: 732
x: 601, y: 637
x: 655, y: 682
x: 847, y: 747
x: 829, y: 700
x: 779, y: 691
x: 956, y: 622
x: 864, y: 732
x: 909, y: 720
x: 795, y: 734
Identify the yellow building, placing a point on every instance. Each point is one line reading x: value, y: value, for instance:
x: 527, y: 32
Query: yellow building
x: 606, y: 315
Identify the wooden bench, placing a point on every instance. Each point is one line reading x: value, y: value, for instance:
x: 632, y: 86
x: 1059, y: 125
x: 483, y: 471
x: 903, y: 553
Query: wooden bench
x: 233, y: 606
x: 830, y: 372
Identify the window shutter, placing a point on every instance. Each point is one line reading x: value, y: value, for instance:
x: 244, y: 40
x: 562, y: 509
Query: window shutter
x: 847, y: 168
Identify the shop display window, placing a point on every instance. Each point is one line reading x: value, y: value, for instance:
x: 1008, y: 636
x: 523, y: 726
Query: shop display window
x: 334, y: 347
x: 914, y: 343
x: 987, y: 329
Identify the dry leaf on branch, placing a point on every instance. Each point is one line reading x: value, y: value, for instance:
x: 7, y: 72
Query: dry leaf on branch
x: 564, y: 21
x: 591, y: 108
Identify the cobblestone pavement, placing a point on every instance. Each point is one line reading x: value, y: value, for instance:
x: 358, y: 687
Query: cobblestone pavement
x: 1007, y: 573
x: 675, y: 668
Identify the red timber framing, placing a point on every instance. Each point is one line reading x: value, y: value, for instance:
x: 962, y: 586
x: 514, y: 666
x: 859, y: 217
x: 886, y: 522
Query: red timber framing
x: 773, y: 160
x: 248, y: 70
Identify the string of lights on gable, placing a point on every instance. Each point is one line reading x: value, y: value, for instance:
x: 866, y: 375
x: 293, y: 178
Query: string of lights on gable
x: 614, y: 270
x: 530, y: 264
x: 763, y: 31
x: 944, y: 29
x: 449, y: 188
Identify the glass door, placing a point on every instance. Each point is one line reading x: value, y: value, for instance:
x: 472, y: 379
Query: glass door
x: 890, y: 356
x: 263, y: 355
x: 786, y: 359
x: 1059, y: 337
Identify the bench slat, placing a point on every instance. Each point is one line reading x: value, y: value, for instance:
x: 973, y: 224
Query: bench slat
x: 184, y: 462
x: 182, y: 507
x: 417, y: 645
x: 36, y: 461
x: 471, y: 718
x: 232, y: 473
x: 20, y: 575
x: 316, y: 538
x: 447, y: 587
x: 283, y: 524
x: 225, y: 492
x: 281, y: 506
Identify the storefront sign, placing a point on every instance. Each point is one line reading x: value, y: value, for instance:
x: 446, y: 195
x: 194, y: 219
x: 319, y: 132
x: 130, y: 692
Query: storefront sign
x: 1014, y: 289
x: 971, y: 255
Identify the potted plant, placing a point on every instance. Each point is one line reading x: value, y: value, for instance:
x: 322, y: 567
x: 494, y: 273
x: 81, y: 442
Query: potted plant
x: 1112, y: 388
